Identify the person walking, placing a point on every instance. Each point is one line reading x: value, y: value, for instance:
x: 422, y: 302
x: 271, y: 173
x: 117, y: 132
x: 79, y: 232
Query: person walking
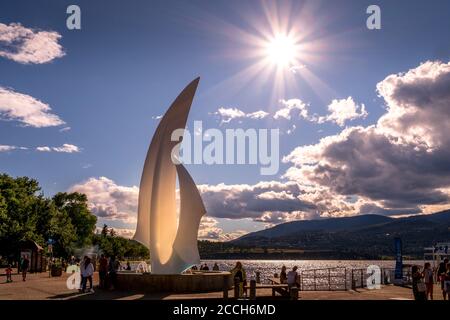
x: 24, y: 267
x: 429, y: 280
x: 8, y: 274
x: 102, y: 271
x: 87, y: 274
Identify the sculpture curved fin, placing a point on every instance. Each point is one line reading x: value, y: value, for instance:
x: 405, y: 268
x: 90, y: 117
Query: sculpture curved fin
x: 157, y: 219
x: 191, y: 211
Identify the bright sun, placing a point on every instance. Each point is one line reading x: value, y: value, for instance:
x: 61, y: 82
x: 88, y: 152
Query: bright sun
x: 282, y: 50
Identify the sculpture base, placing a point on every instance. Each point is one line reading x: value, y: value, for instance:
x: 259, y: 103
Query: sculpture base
x: 174, y: 283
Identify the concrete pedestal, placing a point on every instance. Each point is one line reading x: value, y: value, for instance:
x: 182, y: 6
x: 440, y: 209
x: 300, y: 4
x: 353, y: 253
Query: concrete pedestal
x: 174, y: 283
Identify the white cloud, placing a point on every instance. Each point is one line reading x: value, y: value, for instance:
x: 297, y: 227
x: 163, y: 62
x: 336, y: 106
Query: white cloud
x: 65, y: 148
x: 26, y: 109
x: 296, y: 68
x: 209, y: 230
x: 108, y: 200
x: 291, y: 106
x: 26, y: 45
x: 228, y: 114
x: 257, y: 115
x: 4, y: 148
x: 396, y: 166
x: 344, y: 110
x: 65, y: 129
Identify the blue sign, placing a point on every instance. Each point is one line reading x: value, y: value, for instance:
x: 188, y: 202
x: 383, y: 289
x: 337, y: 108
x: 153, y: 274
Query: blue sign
x: 398, y: 259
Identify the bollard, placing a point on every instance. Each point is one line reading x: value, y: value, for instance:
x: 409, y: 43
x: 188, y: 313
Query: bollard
x: 225, y: 287
x: 236, y: 288
x: 252, y: 289
x: 293, y: 293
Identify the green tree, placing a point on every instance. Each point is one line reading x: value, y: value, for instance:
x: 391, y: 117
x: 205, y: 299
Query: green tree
x: 18, y: 215
x: 75, y: 205
x: 112, y: 245
x: 104, y: 232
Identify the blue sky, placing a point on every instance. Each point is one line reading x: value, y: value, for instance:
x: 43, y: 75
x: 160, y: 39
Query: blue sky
x: 131, y: 59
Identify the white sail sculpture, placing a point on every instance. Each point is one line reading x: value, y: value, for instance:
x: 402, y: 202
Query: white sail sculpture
x: 172, y: 240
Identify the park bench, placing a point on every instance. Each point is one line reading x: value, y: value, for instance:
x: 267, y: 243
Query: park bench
x: 276, y: 287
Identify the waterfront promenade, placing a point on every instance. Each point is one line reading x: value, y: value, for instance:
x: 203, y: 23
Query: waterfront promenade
x: 41, y: 287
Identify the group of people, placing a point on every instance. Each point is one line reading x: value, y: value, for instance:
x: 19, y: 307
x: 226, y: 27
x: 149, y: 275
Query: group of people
x: 107, y: 272
x: 290, y: 278
x: 205, y: 267
x: 23, y: 267
x: 423, y: 280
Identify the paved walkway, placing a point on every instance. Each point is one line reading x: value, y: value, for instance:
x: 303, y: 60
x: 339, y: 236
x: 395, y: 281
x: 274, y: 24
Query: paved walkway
x: 41, y: 287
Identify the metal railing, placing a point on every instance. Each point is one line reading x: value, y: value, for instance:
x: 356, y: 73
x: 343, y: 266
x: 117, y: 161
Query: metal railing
x: 327, y: 279
x: 341, y: 279
x: 358, y: 277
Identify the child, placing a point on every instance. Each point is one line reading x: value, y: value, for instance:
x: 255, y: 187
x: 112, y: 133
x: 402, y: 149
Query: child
x: 8, y: 274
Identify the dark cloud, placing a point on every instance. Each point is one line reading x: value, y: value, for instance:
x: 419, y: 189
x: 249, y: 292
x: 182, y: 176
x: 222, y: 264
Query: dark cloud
x: 402, y: 162
x: 252, y: 201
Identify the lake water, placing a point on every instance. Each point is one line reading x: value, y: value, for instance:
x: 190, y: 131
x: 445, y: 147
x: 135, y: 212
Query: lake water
x: 267, y: 268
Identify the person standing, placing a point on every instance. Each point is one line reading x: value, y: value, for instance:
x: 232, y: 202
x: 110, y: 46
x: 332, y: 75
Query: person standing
x: 418, y: 287
x: 87, y: 273
x: 428, y: 279
x: 113, y: 268
x: 102, y: 271
x: 447, y: 281
x: 25, y: 265
x: 441, y: 273
x: 292, y: 278
x: 239, y: 273
x: 82, y: 266
x: 283, y: 275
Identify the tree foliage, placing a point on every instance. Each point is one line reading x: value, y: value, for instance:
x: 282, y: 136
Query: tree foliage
x: 25, y: 214
x: 112, y: 245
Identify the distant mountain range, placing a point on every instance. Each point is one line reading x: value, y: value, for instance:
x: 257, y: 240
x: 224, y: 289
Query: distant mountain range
x: 359, y: 237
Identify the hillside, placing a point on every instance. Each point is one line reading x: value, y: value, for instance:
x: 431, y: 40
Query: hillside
x: 365, y: 237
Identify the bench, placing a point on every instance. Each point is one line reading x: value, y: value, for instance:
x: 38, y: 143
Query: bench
x: 282, y: 289
x: 279, y: 288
